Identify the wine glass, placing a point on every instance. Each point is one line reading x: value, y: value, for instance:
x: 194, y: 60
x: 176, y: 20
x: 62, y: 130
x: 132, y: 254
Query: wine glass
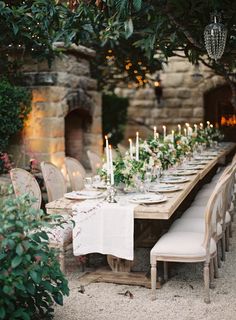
x: 138, y: 182
x: 147, y: 180
x: 96, y: 181
x: 158, y: 174
x: 88, y: 183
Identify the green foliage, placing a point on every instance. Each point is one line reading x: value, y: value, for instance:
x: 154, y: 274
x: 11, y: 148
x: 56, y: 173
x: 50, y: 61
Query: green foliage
x: 30, y: 277
x: 134, y: 30
x: 31, y: 27
x: 15, y: 104
x: 114, y: 116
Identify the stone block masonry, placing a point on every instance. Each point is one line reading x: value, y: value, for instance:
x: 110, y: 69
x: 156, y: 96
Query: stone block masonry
x: 57, y: 92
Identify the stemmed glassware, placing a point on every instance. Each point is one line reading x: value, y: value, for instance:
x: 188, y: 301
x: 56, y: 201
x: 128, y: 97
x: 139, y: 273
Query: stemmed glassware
x: 88, y: 183
x: 147, y: 180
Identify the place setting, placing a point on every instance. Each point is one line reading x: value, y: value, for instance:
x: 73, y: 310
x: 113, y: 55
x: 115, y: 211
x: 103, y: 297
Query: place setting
x: 84, y: 195
x: 164, y: 188
x: 147, y: 198
x: 183, y: 172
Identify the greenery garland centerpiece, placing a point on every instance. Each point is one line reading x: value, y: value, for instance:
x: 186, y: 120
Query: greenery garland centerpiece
x: 158, y: 153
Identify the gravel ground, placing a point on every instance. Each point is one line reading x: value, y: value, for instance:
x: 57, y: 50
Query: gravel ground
x: 181, y: 298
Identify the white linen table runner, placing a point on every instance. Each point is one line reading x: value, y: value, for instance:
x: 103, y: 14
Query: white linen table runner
x: 102, y: 227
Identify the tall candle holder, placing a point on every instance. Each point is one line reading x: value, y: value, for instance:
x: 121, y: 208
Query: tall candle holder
x: 111, y: 191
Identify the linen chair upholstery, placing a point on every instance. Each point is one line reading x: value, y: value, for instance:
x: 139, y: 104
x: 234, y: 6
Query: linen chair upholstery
x: 24, y: 182
x: 190, y: 246
x: 59, y: 238
x: 54, y: 181
x: 95, y: 161
x: 76, y: 173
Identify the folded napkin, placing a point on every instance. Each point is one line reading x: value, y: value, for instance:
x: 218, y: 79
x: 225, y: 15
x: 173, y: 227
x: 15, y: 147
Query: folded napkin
x: 102, y: 227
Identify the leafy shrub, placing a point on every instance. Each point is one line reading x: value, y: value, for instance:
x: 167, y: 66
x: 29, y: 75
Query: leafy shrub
x: 15, y: 104
x: 30, y: 277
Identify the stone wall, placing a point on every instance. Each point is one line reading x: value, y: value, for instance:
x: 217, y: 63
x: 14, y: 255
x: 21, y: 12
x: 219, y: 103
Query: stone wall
x: 182, y: 100
x: 65, y: 87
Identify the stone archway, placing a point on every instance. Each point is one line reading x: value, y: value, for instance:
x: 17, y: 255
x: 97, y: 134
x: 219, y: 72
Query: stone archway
x: 77, y: 123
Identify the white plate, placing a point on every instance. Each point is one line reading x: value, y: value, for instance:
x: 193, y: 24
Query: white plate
x: 164, y: 188
x: 191, y: 167
x: 174, y: 179
x: 184, y: 172
x: 204, y: 158
x: 148, y: 198
x: 197, y: 162
x: 82, y: 195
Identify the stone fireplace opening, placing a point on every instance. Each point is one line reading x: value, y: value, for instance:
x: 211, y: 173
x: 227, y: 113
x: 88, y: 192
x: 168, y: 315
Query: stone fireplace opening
x: 220, y: 111
x: 77, y: 123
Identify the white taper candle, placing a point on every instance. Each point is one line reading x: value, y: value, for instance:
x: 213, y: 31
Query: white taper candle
x: 131, y: 149
x: 137, y: 147
x: 111, y: 166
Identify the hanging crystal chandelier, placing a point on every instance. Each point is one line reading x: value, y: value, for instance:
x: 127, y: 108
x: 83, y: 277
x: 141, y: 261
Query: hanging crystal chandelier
x: 215, y: 35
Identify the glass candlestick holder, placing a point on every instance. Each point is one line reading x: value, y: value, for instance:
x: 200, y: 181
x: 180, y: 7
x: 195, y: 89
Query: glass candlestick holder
x: 111, y: 192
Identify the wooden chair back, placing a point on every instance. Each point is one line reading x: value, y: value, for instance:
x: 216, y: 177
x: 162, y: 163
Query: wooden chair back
x: 54, y: 181
x: 25, y: 183
x: 76, y: 173
x: 95, y: 161
x: 215, y: 211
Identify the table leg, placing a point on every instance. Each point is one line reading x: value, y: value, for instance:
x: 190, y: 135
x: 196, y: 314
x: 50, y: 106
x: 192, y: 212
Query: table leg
x: 118, y: 264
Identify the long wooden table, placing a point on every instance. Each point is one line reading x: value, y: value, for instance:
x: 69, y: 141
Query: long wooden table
x: 162, y: 211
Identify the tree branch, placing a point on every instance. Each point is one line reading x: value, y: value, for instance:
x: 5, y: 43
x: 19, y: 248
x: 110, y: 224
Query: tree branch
x: 185, y: 32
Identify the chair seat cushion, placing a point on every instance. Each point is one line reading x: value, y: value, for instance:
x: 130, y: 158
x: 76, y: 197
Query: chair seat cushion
x: 202, y: 197
x: 194, y: 212
x: 181, y: 245
x: 192, y: 225
x: 60, y: 235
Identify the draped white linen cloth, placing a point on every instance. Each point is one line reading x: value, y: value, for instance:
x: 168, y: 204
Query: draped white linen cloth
x: 102, y: 227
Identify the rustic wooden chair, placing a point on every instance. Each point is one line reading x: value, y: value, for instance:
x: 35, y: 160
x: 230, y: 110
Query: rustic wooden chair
x: 76, y: 173
x: 24, y: 182
x: 95, y: 161
x: 54, y: 181
x: 191, y: 246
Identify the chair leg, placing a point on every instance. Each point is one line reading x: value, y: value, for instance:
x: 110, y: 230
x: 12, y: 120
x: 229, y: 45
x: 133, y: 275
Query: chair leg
x: 218, y: 253
x: 227, y: 238
x: 230, y: 229
x: 211, y: 274
x: 165, y: 270
x: 206, y: 282
x: 216, y: 271
x: 223, y: 247
x: 153, y: 280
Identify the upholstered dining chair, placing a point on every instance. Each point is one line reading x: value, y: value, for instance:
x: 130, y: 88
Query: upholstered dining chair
x: 193, y: 220
x: 76, y: 173
x: 54, y: 181
x: 59, y: 238
x: 95, y: 161
x: 24, y: 182
x: 190, y: 246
